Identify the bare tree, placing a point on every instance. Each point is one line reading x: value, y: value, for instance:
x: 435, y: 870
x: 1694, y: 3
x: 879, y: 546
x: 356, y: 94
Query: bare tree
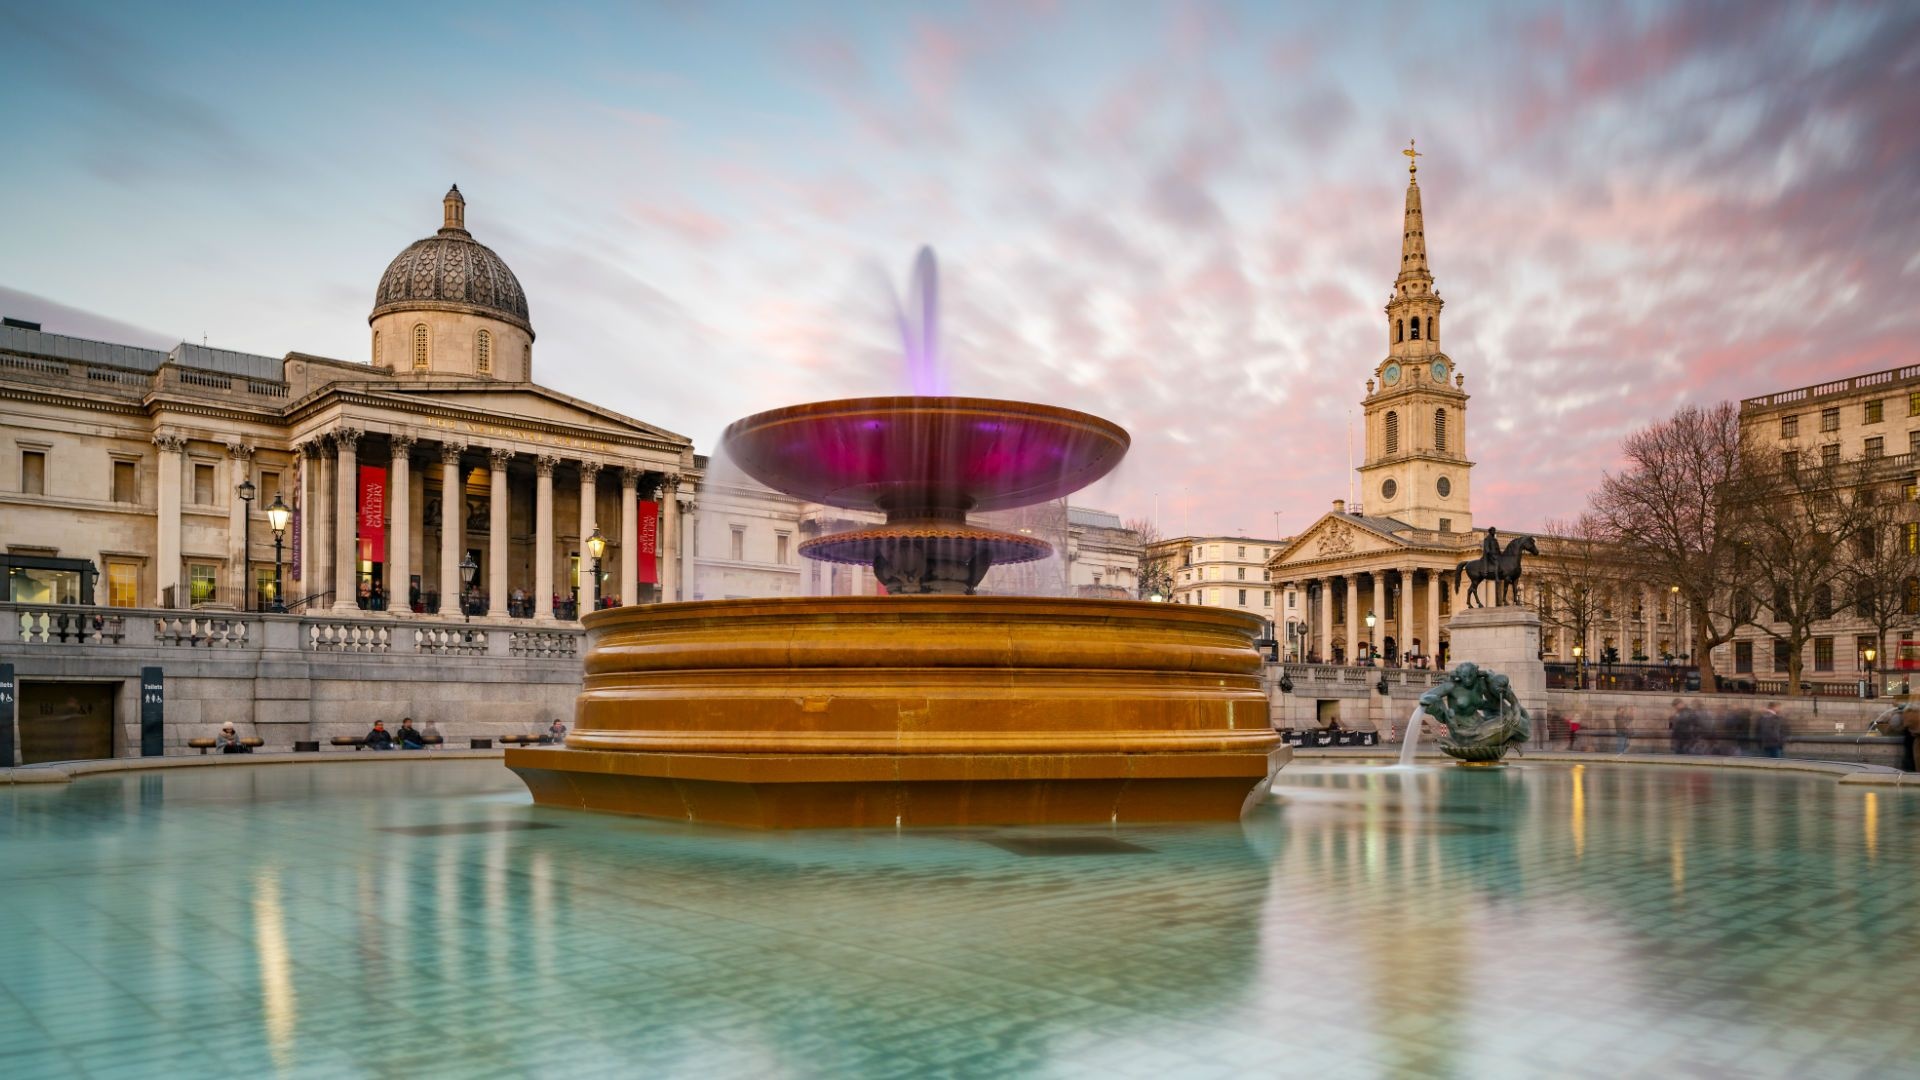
x: 1156, y: 568
x: 1797, y: 523
x: 1578, y: 571
x: 1882, y: 572
x: 1667, y: 510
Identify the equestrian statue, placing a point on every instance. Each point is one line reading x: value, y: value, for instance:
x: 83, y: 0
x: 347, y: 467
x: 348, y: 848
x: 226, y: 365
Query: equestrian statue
x: 1500, y: 567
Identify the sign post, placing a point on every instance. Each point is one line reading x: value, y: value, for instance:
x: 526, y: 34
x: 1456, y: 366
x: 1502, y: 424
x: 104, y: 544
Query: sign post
x: 153, y: 712
x: 9, y: 694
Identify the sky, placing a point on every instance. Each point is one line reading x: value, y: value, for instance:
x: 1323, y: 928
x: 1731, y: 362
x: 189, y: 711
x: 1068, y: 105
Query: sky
x: 1184, y: 217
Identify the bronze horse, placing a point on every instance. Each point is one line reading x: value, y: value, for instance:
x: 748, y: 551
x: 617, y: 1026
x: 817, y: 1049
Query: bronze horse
x: 1503, y: 571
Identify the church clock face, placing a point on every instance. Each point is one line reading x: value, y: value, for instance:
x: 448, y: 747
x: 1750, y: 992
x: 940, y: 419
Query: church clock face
x: 1446, y: 487
x: 1388, y: 488
x: 1439, y: 371
x: 1391, y: 374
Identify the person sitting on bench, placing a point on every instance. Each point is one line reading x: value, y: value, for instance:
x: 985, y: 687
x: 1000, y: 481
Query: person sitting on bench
x: 228, y: 742
x: 410, y: 738
x: 379, y: 738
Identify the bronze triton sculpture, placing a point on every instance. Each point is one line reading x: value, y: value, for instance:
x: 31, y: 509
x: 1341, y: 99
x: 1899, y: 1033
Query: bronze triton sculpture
x: 1480, y: 713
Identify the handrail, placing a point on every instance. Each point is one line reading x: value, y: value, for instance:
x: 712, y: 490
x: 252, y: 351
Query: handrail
x: 308, y: 599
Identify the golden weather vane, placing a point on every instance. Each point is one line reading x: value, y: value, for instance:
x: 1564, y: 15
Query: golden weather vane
x: 1413, y: 167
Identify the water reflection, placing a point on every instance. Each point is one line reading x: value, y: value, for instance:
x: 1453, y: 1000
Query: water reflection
x: 280, y: 1005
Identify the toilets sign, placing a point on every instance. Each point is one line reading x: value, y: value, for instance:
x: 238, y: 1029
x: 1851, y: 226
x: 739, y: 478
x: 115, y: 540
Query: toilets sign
x: 153, y: 712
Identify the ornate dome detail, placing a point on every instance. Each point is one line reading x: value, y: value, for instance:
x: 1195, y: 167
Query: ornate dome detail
x: 451, y: 271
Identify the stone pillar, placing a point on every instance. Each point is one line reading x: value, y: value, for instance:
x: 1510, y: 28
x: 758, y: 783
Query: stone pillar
x: 670, y: 539
x: 1322, y: 619
x: 1433, y: 615
x: 453, y: 527
x: 543, y: 537
x: 1406, y: 632
x: 589, y: 521
x: 688, y: 586
x: 239, y: 518
x: 166, y: 575
x: 400, y: 523
x: 346, y: 578
x: 1379, y: 633
x: 322, y: 536
x: 311, y: 496
x: 628, y: 561
x: 1353, y: 617
x: 497, y: 535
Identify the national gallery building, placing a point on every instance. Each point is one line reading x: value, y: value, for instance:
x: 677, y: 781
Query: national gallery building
x: 439, y: 479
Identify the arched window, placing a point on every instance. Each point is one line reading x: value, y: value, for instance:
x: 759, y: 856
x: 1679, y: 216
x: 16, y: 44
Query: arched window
x: 1399, y: 331
x: 1439, y: 429
x: 1393, y: 432
x: 483, y: 353
x: 420, y: 347
x: 1415, y: 328
x: 376, y: 348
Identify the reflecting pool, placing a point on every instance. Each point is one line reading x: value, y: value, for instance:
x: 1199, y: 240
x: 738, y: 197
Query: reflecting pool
x: 414, y: 919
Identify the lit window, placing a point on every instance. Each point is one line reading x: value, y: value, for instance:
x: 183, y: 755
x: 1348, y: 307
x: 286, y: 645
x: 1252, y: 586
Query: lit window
x: 33, y: 472
x: 203, y: 580
x: 483, y: 353
x: 420, y: 347
x: 123, y: 584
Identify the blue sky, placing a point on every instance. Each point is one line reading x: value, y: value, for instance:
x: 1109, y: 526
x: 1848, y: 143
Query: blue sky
x: 1181, y: 216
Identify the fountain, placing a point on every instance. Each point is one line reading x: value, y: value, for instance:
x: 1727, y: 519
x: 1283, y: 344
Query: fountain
x: 931, y: 705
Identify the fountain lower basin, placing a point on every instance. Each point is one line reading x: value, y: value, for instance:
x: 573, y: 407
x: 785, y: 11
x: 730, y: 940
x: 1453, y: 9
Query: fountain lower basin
x: 914, y: 711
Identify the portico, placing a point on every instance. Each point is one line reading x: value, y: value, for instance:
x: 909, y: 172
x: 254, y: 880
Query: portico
x: 1348, y: 565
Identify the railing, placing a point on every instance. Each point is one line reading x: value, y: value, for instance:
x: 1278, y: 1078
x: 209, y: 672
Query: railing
x: 59, y: 626
x: 1834, y: 388
x: 350, y: 637
x: 200, y: 632
x: 1357, y: 676
x: 544, y: 643
x: 450, y: 641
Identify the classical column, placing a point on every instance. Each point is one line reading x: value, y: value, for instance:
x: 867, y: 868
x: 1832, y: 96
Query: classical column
x: 497, y: 535
x: 1322, y: 619
x: 684, y: 554
x: 543, y: 536
x: 166, y: 578
x: 453, y: 526
x: 1406, y: 631
x: 321, y: 581
x: 1353, y: 618
x: 1379, y: 609
x: 346, y: 579
x: 1433, y: 615
x: 311, y: 495
x: 628, y: 561
x: 238, y: 518
x: 589, y: 521
x: 400, y: 529
x: 670, y: 540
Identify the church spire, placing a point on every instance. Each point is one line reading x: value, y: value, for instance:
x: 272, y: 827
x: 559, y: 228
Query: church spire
x: 1413, y: 236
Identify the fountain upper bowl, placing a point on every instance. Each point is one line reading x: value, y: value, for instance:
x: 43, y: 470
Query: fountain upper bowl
x: 901, y: 454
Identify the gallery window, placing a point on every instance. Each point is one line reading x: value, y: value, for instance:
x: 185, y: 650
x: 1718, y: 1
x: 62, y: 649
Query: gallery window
x: 203, y: 582
x: 123, y: 584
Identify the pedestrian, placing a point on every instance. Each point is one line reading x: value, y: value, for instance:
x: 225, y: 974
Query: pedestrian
x: 228, y: 741
x: 1622, y: 729
x: 1679, y: 727
x: 1770, y: 731
x: 556, y: 731
x: 379, y: 738
x: 409, y: 736
x: 432, y: 733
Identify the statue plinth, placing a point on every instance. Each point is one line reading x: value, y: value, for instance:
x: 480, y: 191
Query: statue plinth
x: 1506, y: 639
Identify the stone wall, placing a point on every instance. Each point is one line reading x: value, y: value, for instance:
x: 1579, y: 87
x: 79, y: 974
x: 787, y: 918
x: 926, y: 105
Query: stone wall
x: 291, y: 677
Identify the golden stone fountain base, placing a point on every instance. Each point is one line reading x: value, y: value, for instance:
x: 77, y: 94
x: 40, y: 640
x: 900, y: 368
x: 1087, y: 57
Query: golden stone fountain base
x: 842, y: 712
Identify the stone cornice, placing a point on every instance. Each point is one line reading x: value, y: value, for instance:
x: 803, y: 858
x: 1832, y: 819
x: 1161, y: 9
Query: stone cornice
x: 17, y: 392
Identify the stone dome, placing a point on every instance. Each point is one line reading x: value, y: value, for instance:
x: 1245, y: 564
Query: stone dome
x: 451, y: 271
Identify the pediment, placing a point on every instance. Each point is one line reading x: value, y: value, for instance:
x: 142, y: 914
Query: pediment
x: 519, y: 404
x: 1338, y: 536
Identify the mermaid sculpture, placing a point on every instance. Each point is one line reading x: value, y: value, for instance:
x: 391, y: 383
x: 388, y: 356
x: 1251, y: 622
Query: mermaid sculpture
x: 1480, y: 713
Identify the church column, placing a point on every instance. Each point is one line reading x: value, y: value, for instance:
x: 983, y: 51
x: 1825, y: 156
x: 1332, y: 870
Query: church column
x: 1433, y: 615
x: 1322, y: 618
x: 670, y: 543
x: 166, y: 578
x: 629, y: 536
x: 1353, y: 617
x: 1406, y: 632
x: 453, y: 527
x: 399, y: 572
x: 497, y: 534
x: 239, y: 516
x: 589, y: 521
x: 543, y: 536
x: 1379, y: 609
x: 346, y: 578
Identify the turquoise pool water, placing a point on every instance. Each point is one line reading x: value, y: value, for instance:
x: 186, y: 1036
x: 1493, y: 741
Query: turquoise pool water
x: 424, y: 919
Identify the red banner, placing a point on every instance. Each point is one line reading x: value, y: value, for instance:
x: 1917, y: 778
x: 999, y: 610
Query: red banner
x: 648, y: 549
x: 373, y: 513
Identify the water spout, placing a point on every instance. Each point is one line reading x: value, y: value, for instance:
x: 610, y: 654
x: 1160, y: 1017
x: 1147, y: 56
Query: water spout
x: 919, y: 318
x: 1411, y: 740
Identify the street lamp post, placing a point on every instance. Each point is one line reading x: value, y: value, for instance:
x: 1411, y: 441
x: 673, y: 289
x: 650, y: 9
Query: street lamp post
x: 247, y: 492
x: 279, y: 516
x: 468, y: 570
x: 1869, y: 653
x: 597, y: 547
x: 1371, y: 620
x: 1579, y: 669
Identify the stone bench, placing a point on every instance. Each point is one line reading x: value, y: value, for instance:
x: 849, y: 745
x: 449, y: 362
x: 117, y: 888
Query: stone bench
x: 204, y: 745
x: 359, y: 742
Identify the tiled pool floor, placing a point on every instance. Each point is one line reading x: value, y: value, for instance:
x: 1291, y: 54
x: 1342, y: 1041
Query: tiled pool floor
x: 402, y: 920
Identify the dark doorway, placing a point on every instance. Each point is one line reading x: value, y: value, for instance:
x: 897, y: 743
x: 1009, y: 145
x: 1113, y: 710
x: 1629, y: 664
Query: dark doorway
x: 66, y: 721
